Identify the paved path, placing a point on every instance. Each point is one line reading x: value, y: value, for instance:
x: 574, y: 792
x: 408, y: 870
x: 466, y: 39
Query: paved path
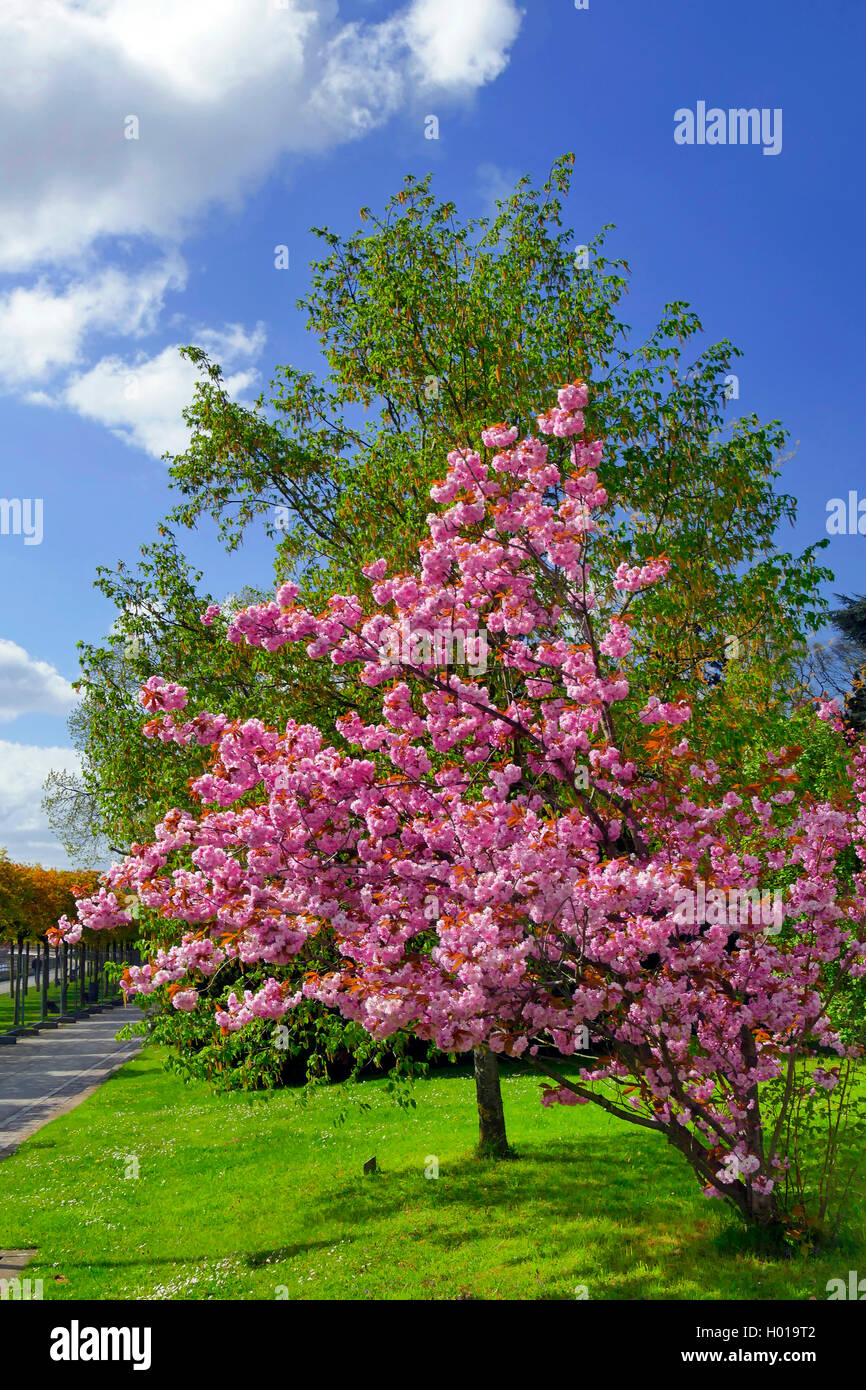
x: 44, y: 1076
x: 12, y: 1262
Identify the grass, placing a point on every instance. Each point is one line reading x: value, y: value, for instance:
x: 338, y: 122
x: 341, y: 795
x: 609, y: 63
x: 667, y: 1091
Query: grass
x: 243, y: 1197
x: 33, y: 1003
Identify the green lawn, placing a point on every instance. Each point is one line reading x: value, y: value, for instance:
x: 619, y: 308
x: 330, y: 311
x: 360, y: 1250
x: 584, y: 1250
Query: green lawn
x: 32, y: 1004
x: 253, y: 1198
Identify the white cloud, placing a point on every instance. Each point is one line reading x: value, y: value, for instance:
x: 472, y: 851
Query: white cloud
x: 140, y: 400
x: 24, y: 829
x: 222, y: 89
x: 43, y: 330
x: 28, y: 686
x: 461, y: 43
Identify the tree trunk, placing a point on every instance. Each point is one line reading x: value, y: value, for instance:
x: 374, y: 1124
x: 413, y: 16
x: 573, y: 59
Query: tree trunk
x: 19, y: 998
x: 492, y: 1139
x: 763, y: 1209
x: 43, y: 979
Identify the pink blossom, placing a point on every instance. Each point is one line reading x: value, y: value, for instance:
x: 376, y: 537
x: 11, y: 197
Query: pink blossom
x: 185, y: 1000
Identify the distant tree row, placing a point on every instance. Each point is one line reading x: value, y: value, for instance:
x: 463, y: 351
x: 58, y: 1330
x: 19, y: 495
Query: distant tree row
x: 33, y: 898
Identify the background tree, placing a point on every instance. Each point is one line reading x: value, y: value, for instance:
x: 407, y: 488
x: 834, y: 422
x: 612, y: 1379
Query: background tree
x: 850, y: 624
x: 430, y: 327
x: 31, y: 897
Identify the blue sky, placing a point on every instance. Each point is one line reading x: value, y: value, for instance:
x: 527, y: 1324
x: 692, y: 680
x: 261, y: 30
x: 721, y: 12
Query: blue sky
x: 257, y: 120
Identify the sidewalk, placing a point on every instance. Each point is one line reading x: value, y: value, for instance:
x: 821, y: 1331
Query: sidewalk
x: 44, y: 1076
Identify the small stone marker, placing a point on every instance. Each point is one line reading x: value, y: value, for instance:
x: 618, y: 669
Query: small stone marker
x: 370, y: 1165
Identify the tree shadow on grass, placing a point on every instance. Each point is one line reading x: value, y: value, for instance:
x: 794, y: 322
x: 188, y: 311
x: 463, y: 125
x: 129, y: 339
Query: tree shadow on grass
x: 254, y: 1259
x: 622, y: 1215
x: 257, y: 1259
